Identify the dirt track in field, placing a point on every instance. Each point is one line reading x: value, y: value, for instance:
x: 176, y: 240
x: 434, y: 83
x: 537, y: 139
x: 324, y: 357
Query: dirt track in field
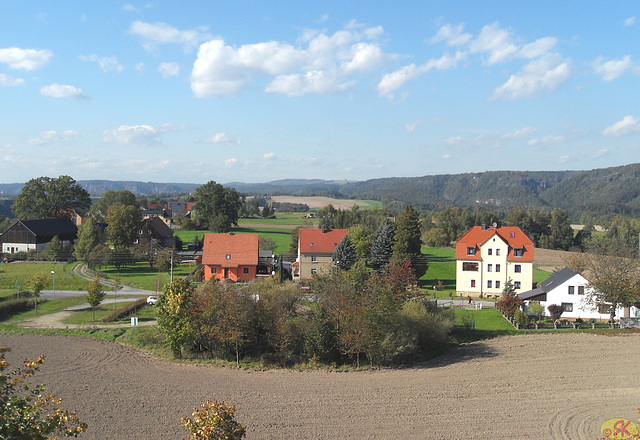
x: 547, y: 386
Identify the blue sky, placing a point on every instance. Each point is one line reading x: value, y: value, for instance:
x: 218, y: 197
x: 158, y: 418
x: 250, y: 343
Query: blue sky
x: 257, y: 91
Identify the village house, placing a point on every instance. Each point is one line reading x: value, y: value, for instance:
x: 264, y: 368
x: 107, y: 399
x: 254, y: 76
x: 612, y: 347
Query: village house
x: 26, y: 235
x: 569, y: 289
x: 489, y: 256
x: 153, y: 229
x: 315, y: 251
x: 230, y: 256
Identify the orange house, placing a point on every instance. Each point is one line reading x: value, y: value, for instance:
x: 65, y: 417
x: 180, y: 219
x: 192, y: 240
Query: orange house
x: 230, y: 256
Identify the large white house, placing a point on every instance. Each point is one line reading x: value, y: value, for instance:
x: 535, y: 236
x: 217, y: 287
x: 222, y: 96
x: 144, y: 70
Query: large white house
x: 569, y: 289
x: 488, y: 256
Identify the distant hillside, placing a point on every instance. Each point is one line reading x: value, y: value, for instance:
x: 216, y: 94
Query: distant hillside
x: 604, y: 191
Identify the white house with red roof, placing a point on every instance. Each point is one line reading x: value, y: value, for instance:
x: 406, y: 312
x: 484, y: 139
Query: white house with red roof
x: 315, y: 251
x: 230, y: 256
x: 488, y: 256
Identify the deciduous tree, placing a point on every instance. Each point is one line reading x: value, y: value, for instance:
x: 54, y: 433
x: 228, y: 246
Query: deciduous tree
x: 46, y: 197
x: 95, y: 294
x: 36, y: 284
x: 215, y: 421
x: 216, y: 206
x: 174, y: 315
x: 123, y: 224
x: 101, y: 207
x: 88, y: 238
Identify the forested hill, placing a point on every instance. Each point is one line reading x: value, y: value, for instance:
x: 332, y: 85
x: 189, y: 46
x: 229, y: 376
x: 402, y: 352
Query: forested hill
x: 605, y: 190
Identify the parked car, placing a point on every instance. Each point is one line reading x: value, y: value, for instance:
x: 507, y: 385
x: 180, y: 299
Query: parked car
x: 151, y: 300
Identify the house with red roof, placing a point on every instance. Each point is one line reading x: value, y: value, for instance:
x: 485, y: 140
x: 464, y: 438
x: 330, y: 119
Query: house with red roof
x: 488, y: 256
x: 230, y: 256
x: 315, y: 251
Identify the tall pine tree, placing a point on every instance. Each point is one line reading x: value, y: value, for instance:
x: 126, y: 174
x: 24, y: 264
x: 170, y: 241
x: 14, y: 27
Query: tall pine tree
x: 409, y: 241
x: 383, y: 242
x: 345, y: 254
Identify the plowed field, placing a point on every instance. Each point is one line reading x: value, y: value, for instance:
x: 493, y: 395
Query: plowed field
x: 546, y: 386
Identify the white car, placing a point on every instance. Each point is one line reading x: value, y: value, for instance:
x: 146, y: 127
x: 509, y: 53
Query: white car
x: 151, y: 300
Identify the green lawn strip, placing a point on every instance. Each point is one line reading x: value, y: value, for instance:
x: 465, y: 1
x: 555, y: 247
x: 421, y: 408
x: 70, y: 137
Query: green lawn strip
x: 442, y: 267
x: 46, y: 307
x: 299, y: 220
x: 142, y: 276
x: 282, y: 236
x: 21, y: 272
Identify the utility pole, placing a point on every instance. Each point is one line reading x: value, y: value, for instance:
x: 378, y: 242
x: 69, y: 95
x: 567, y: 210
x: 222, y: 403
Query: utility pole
x: 172, y: 265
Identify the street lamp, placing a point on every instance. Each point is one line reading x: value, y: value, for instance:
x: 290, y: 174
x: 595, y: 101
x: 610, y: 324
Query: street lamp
x: 54, y: 284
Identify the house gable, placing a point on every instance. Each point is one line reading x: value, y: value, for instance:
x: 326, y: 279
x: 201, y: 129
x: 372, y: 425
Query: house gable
x: 232, y: 256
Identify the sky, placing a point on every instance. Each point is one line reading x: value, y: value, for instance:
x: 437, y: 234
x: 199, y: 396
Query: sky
x: 254, y: 91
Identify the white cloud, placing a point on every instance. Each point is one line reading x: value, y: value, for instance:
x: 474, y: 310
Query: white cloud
x: 130, y: 8
x: 140, y: 68
x: 519, y: 134
x: 49, y: 137
x: 231, y: 162
x: 600, y: 153
x: 322, y: 64
x: 155, y: 34
x: 224, y: 138
x: 496, y: 41
x: 134, y: 135
x: 544, y: 74
x: 546, y: 140
x: 25, y: 59
x: 62, y: 91
x: 628, y: 125
x: 446, y: 156
x: 169, y: 69
x: 107, y: 64
x: 269, y: 156
x: 451, y: 35
x: 563, y: 159
x: 9, y: 81
x: 612, y: 69
x: 393, y: 81
x: 630, y: 21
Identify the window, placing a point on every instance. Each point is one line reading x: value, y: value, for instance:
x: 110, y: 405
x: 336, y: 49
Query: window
x: 497, y: 284
x: 228, y: 257
x: 489, y: 284
x: 469, y: 267
x: 517, y: 285
x: 149, y: 231
x: 497, y: 268
x: 489, y: 267
x: 314, y: 271
x: 473, y: 283
x: 512, y: 235
x: 517, y: 268
x: 580, y: 290
x: 214, y: 270
x: 497, y: 252
x: 489, y: 251
x: 135, y: 241
x: 471, y: 251
x: 245, y: 270
x: 572, y: 290
x: 314, y: 259
x: 567, y: 307
x: 140, y: 232
x: 518, y: 252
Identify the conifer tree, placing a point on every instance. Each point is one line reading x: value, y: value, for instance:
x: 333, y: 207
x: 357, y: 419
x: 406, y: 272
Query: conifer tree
x: 383, y: 242
x: 345, y: 254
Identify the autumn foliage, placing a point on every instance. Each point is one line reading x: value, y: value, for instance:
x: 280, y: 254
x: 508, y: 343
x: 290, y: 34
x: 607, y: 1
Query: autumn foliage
x: 27, y: 412
x: 215, y: 421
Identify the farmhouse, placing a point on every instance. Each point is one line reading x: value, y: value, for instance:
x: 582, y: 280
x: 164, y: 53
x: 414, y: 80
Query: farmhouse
x: 489, y: 256
x: 315, y: 251
x: 569, y: 289
x: 230, y: 256
x: 156, y: 230
x: 25, y: 235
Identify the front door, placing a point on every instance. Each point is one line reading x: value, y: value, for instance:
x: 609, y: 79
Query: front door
x: 226, y: 272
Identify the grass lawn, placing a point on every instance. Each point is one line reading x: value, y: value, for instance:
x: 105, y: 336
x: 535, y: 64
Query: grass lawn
x: 21, y: 272
x: 142, y: 276
x: 281, y: 236
x: 489, y: 323
x: 85, y: 316
x: 297, y: 219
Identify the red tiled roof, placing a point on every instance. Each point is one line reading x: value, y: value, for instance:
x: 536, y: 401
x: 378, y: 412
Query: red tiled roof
x: 320, y: 240
x: 512, y: 235
x: 242, y: 249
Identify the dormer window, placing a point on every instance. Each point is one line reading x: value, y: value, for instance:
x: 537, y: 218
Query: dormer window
x: 471, y: 251
x: 518, y: 252
x: 312, y: 243
x: 228, y: 257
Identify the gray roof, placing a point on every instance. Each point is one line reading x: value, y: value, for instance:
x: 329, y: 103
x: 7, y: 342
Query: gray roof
x: 550, y: 283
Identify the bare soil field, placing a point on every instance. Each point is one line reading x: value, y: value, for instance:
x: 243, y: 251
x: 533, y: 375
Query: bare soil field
x: 544, y: 386
x: 320, y: 202
x: 551, y: 260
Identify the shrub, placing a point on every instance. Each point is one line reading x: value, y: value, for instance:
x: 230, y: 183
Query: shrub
x: 127, y: 310
x: 520, y: 317
x: 509, y: 304
x: 467, y: 321
x: 555, y: 311
x: 13, y: 306
x: 215, y: 421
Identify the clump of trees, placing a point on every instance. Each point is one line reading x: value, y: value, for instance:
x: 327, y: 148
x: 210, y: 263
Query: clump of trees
x: 358, y: 315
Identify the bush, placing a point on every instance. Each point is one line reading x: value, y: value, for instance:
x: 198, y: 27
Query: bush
x: 215, y: 421
x: 555, y: 311
x: 11, y: 307
x: 127, y: 310
x: 467, y: 321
